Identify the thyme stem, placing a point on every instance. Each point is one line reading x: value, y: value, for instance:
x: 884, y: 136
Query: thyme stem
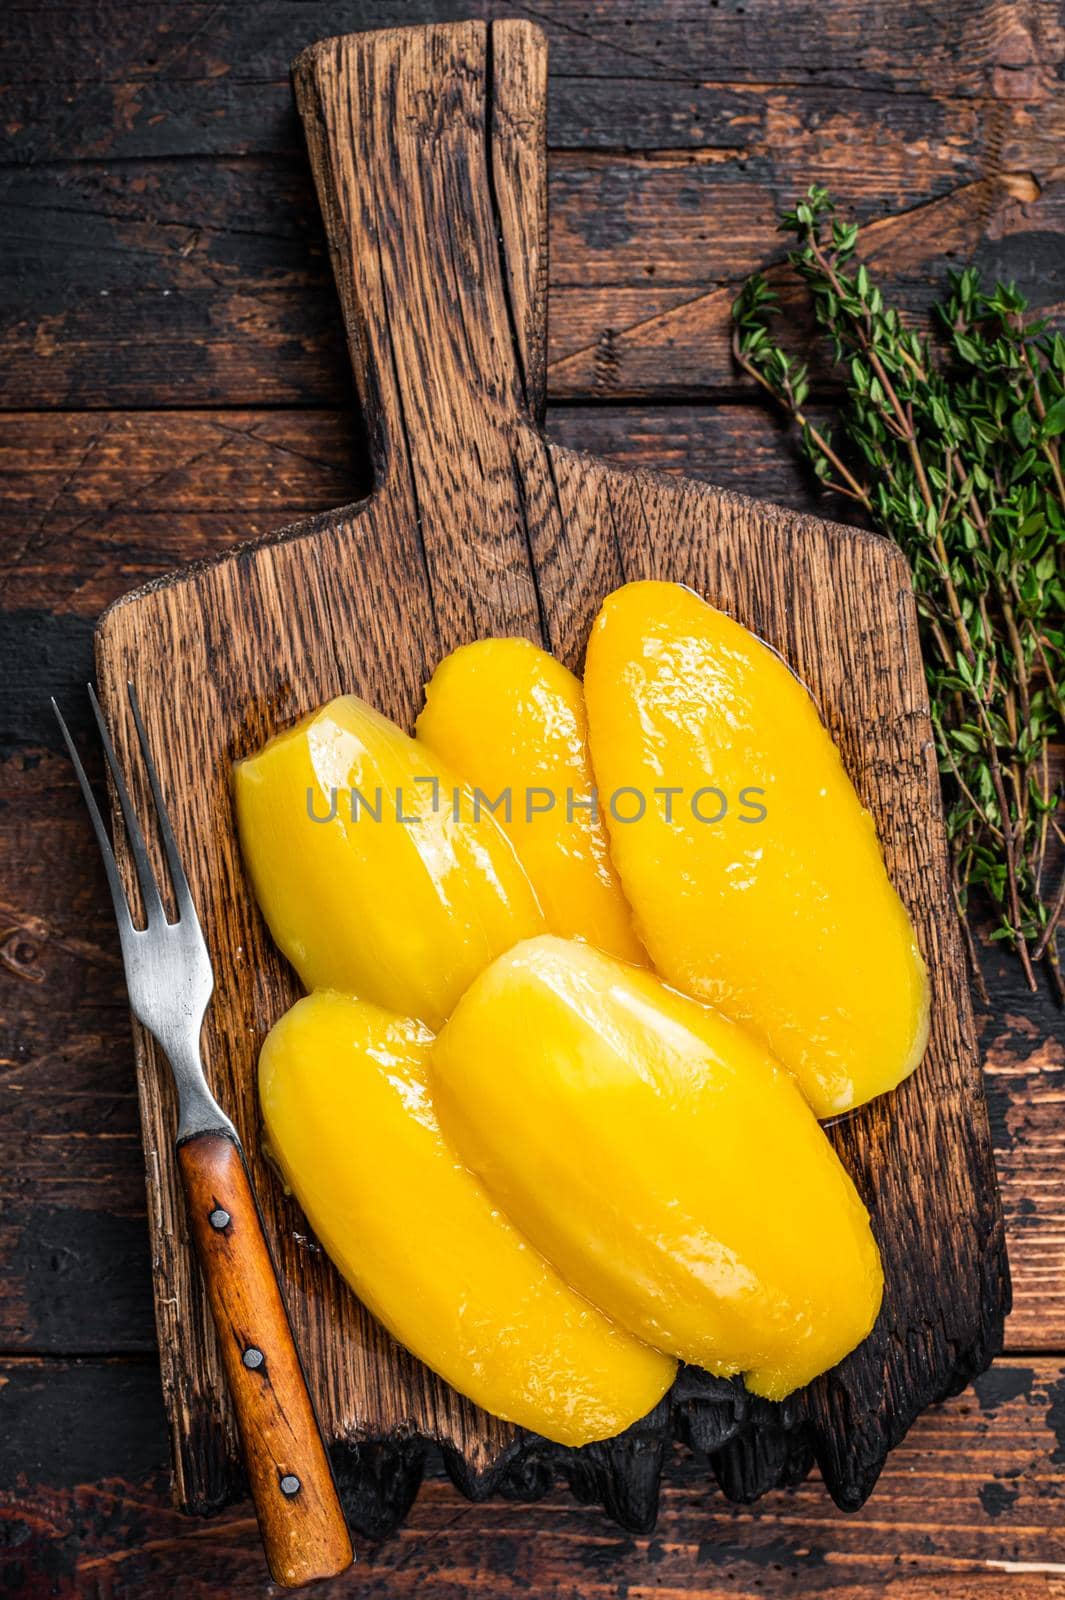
x: 955, y: 452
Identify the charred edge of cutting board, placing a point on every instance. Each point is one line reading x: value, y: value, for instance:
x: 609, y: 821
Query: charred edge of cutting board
x: 378, y: 1483
x: 851, y: 1443
x: 623, y: 1475
x: 377, y: 1479
x: 763, y: 1458
x: 752, y: 1445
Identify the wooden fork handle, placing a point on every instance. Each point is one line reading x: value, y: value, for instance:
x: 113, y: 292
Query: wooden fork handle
x: 302, y: 1525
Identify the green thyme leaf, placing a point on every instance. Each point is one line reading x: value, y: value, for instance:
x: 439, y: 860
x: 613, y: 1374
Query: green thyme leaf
x: 953, y: 451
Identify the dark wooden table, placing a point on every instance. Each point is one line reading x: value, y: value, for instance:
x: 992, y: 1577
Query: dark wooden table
x: 173, y: 378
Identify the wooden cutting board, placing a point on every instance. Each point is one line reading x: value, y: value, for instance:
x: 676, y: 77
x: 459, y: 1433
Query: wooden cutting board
x: 428, y: 150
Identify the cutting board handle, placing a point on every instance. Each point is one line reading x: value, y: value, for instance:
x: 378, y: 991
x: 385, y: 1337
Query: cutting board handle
x: 428, y: 151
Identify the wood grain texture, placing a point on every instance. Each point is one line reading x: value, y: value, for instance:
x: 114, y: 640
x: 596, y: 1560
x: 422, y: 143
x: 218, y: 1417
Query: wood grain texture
x: 478, y: 524
x: 165, y: 70
x: 970, y: 1507
x: 209, y: 278
x: 164, y: 244
x: 302, y: 1526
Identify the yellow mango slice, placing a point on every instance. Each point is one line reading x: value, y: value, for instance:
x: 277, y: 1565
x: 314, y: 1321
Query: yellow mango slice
x: 510, y: 719
x: 661, y: 1160
x: 402, y: 894
x: 759, y: 885
x: 349, y: 1118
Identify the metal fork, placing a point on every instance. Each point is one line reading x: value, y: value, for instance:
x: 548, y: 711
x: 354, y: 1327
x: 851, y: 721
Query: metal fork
x: 170, y: 982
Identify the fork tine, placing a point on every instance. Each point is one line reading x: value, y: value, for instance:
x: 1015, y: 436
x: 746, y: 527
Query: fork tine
x: 114, y: 882
x: 182, y: 895
x: 153, y: 905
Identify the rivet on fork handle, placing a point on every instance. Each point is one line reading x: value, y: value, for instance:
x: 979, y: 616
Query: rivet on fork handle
x: 288, y: 1471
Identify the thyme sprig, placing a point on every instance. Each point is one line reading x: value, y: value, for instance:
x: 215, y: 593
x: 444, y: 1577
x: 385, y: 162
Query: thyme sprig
x: 955, y: 452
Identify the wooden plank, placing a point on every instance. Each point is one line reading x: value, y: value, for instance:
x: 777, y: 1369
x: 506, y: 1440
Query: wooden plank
x: 204, y: 282
x: 61, y: 466
x: 97, y: 503
x: 970, y: 1507
x: 147, y: 79
x: 244, y: 108
x: 77, y: 1266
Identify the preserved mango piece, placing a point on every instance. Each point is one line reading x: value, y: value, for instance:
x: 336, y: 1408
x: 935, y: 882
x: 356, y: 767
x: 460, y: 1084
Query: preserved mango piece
x: 510, y: 719
x: 754, y: 874
x: 662, y: 1161
x: 370, y: 866
x: 349, y: 1119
